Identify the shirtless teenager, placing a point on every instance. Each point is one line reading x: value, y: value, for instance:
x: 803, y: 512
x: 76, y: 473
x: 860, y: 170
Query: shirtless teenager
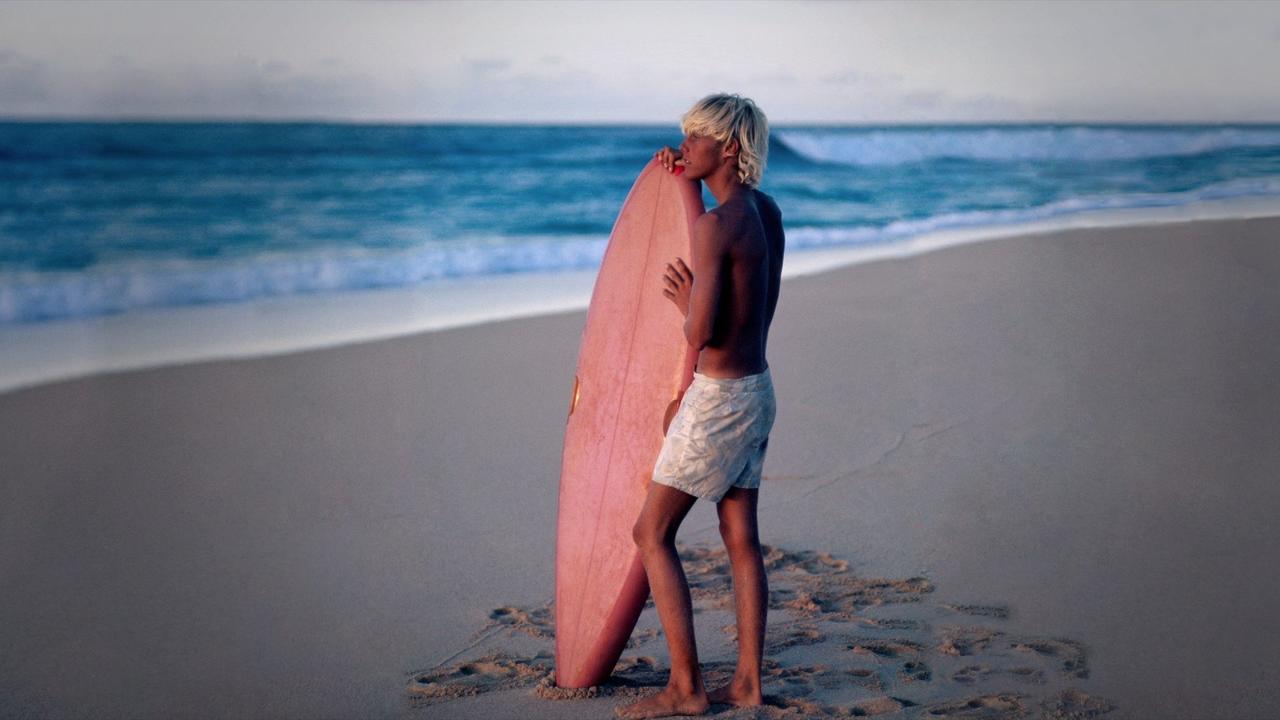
x: 715, y: 444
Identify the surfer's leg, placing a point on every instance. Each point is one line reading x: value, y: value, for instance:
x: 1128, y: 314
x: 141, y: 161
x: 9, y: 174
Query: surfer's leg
x: 738, y: 529
x: 655, y: 534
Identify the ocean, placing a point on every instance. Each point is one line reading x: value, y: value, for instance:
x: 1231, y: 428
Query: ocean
x: 106, y: 219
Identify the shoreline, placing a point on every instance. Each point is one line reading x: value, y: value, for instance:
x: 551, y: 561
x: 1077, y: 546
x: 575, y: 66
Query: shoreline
x: 38, y: 354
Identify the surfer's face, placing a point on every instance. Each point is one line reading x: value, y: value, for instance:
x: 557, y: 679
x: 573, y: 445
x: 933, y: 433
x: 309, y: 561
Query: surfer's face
x: 702, y: 155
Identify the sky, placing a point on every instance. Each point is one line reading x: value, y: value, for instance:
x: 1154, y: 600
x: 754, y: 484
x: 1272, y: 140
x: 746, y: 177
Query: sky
x: 646, y: 62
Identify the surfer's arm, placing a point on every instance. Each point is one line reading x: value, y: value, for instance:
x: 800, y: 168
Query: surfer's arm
x: 708, y: 247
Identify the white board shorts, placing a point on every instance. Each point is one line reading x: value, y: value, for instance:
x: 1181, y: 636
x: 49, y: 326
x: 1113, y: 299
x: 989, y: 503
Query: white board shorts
x: 718, y: 437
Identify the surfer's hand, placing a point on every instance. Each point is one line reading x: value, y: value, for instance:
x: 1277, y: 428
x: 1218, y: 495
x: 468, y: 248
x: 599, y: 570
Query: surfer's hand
x: 679, y: 281
x: 669, y: 158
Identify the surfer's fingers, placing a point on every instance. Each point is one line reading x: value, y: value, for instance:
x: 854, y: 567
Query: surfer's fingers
x: 685, y: 269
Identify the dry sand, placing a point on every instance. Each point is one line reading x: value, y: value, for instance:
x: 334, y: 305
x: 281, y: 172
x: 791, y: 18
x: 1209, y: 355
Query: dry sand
x: 1028, y: 477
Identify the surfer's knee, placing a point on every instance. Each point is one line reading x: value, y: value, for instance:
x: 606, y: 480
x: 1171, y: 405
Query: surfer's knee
x: 647, y: 534
x: 644, y: 534
x: 739, y: 538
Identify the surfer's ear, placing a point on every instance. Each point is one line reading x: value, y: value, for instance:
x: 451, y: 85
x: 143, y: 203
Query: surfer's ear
x: 731, y: 147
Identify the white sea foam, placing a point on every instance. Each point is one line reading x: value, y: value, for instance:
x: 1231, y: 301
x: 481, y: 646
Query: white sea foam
x: 1265, y: 189
x: 27, y: 296
x: 30, y: 297
x: 864, y: 146
x: 44, y: 352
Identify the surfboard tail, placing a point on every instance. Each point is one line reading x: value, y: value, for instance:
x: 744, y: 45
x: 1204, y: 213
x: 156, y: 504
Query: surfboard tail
x: 596, y: 665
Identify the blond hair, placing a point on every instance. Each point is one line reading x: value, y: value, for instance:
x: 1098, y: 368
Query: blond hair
x: 723, y: 116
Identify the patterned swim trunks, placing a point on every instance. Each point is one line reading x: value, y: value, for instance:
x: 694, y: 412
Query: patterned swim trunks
x: 718, y: 437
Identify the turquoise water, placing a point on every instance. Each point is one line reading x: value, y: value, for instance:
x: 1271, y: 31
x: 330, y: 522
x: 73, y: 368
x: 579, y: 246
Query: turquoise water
x: 100, y: 218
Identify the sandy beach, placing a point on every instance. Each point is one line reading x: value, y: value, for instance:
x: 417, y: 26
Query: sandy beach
x: 1028, y: 477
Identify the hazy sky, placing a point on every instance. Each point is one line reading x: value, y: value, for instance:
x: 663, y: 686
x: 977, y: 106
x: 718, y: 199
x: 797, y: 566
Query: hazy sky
x: 641, y: 62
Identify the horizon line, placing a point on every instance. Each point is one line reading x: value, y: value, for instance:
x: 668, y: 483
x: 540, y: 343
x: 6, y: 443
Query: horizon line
x: 179, y: 120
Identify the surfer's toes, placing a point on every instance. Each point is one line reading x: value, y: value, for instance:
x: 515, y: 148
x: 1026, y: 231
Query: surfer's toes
x: 664, y: 704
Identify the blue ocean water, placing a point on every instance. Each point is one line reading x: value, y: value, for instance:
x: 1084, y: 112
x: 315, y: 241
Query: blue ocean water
x: 100, y: 218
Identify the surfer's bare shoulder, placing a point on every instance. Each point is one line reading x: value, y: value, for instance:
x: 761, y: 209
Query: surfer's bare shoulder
x: 709, y: 221
x: 723, y: 218
x: 738, y: 217
x: 713, y: 234
x: 768, y: 204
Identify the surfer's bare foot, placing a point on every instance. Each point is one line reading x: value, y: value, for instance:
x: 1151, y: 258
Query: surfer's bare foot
x: 666, y: 703
x: 737, y: 693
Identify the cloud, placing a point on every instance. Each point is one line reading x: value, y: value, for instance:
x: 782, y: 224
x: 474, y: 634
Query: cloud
x: 488, y: 66
x: 773, y: 78
x: 23, y: 79
x: 934, y: 103
x: 243, y: 87
x: 861, y: 78
x: 923, y: 99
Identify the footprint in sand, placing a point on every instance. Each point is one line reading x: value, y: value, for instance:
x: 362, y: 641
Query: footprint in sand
x: 796, y: 681
x: 915, y: 671
x: 863, y: 678
x: 879, y: 706
x: 535, y: 622
x: 993, y: 611
x: 970, y: 674
x: 996, y: 705
x: 779, y: 636
x: 891, y: 623
x: 642, y: 637
x: 884, y: 648
x: 910, y: 653
x: 1069, y: 652
x: 491, y: 672
x: 967, y: 640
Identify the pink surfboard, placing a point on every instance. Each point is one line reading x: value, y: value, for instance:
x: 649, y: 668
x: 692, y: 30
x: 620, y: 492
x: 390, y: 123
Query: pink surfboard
x: 634, y: 365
